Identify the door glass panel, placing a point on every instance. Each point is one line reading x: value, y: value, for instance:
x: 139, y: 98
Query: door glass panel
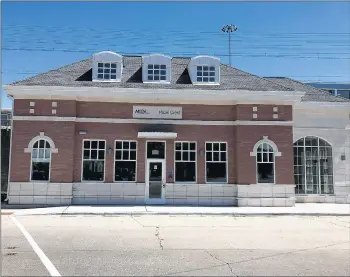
x: 155, y: 150
x: 155, y: 180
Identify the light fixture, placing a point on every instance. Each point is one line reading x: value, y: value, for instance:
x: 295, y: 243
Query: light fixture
x: 109, y: 151
x: 82, y: 132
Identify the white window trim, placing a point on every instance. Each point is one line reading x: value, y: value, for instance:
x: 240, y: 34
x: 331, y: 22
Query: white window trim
x: 205, y: 153
x: 275, y: 152
x: 319, y: 177
x: 115, y: 149
x: 31, y: 143
x: 82, y: 161
x: 107, y: 57
x: 196, y: 162
x: 204, y: 61
x: 156, y: 59
x: 206, y: 83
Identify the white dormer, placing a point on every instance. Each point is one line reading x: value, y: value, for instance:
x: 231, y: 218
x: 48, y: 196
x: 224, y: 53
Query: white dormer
x: 107, y: 66
x: 204, y: 70
x: 156, y: 68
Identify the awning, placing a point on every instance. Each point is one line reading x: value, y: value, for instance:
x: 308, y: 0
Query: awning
x: 157, y: 135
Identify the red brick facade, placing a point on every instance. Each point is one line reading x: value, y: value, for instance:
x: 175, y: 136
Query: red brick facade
x: 66, y: 164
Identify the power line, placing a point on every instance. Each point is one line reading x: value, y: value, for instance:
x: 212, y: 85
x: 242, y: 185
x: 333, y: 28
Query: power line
x: 266, y: 55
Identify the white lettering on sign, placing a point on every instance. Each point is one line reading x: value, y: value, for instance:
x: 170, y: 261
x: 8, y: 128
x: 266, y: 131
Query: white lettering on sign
x: 157, y: 112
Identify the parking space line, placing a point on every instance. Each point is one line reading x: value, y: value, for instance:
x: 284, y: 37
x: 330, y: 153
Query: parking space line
x: 45, y: 260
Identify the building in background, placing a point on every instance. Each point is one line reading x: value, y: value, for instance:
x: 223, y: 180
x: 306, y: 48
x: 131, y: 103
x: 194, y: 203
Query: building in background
x: 6, y: 117
x: 156, y: 129
x: 336, y: 89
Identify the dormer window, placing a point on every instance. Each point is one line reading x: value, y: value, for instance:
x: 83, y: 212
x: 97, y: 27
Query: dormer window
x: 156, y: 72
x: 204, y: 70
x: 206, y: 74
x: 156, y: 68
x: 107, y: 71
x: 107, y: 67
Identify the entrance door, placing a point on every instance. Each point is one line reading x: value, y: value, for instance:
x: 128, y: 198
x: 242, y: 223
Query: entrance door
x: 155, y: 182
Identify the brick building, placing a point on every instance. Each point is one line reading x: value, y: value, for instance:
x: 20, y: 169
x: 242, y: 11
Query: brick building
x: 118, y: 129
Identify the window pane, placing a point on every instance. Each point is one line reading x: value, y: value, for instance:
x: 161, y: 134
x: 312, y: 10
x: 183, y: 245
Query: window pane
x: 87, y: 144
x: 185, y: 156
x: 41, y: 143
x: 125, y: 145
x: 162, y: 72
x: 270, y: 157
x: 192, y: 156
x: 93, y: 170
x: 125, y: 171
x: 101, y: 154
x: 185, y: 146
x: 156, y: 66
x: 106, y: 76
x: 118, y: 155
x: 163, y: 66
x: 35, y: 153
x: 47, y: 145
x: 133, y: 155
x: 156, y: 77
x: 86, y: 154
x: 107, y: 64
x: 47, y: 153
x: 216, y: 146
x: 150, y: 66
x: 93, y: 154
x: 100, y: 70
x: 211, y: 79
x: 118, y: 145
x: 101, y: 145
x: 205, y: 79
x: 106, y: 71
x: 212, y: 74
x: 216, y: 156
x: 150, y: 78
x: 36, y: 145
x: 40, y: 171
x: 100, y: 76
x: 192, y: 146
x: 205, y: 68
x: 93, y: 144
x: 178, y: 146
x: 185, y: 172
x: 258, y: 157
x: 208, y: 146
x: 100, y: 65
x: 41, y: 154
x: 223, y: 156
x: 113, y: 76
x: 199, y: 67
x: 155, y: 150
x: 133, y: 145
x: 114, y: 65
x: 265, y: 157
x: 178, y: 155
x: 223, y: 146
x: 126, y: 155
x: 163, y: 78
x: 209, y: 156
x: 212, y: 68
x: 265, y: 173
x: 216, y: 172
x: 199, y: 79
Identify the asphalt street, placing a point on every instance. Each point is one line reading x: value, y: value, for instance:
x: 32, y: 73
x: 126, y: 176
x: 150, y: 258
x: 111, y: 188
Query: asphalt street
x: 175, y: 245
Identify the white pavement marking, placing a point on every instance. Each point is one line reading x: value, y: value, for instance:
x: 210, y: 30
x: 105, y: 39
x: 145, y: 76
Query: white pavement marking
x: 45, y: 260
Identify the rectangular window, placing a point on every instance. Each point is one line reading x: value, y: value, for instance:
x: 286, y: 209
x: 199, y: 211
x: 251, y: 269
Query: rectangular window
x: 185, y: 161
x: 344, y: 93
x: 216, y: 162
x: 107, y: 71
x: 156, y: 72
x: 125, y: 161
x: 206, y: 74
x: 93, y: 160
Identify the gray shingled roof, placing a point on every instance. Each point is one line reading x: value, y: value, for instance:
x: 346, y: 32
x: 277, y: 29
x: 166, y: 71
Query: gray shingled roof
x: 80, y: 74
x: 311, y: 94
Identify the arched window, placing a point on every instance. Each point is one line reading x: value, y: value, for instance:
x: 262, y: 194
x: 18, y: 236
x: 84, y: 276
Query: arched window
x: 41, y: 147
x: 41, y: 158
x: 265, y: 152
x: 313, y: 166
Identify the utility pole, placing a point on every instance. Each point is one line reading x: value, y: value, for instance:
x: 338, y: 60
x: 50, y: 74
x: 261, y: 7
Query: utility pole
x: 229, y: 29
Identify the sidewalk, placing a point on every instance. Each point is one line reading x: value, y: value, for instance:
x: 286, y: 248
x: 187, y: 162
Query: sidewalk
x: 310, y: 209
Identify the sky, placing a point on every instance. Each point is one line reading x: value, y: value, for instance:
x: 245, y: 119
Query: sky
x: 307, y: 41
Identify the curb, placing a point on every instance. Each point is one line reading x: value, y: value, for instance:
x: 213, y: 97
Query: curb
x: 191, y: 214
